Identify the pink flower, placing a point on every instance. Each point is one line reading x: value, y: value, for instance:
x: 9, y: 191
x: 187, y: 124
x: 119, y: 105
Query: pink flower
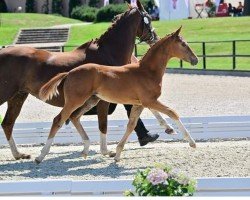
x: 157, y: 176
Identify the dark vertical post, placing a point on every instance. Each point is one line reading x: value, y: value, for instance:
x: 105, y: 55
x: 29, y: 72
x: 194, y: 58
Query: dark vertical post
x: 234, y: 53
x: 181, y: 64
x: 204, y: 54
x: 136, y: 53
x: 62, y: 48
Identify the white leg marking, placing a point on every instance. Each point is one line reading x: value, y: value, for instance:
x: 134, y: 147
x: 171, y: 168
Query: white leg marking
x: 86, y: 144
x: 103, y: 144
x: 186, y: 135
x: 45, y: 150
x: 13, y: 148
x: 162, y: 122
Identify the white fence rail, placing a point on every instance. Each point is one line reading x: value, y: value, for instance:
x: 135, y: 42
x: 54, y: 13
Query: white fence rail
x: 199, y: 127
x: 205, y: 187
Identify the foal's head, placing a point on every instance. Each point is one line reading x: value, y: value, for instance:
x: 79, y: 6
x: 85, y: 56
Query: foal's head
x: 181, y: 50
x: 145, y: 31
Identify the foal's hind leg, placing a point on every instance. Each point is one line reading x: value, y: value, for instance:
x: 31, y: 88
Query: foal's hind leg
x: 14, y: 107
x: 75, y: 119
x: 158, y: 106
x: 133, y: 118
x: 102, y: 112
x: 168, y: 129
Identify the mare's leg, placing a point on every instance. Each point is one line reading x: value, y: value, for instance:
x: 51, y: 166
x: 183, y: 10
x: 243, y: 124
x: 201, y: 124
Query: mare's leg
x: 102, y: 112
x: 134, y: 116
x: 58, y: 121
x: 158, y: 106
x: 75, y: 119
x: 168, y: 129
x: 14, y: 107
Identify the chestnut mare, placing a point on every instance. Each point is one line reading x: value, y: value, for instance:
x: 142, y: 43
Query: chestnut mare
x: 138, y: 84
x: 24, y: 70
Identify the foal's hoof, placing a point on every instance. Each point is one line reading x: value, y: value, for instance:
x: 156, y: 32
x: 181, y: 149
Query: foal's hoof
x: 23, y: 156
x: 37, y: 161
x: 117, y: 159
x: 170, y: 131
x: 84, y: 155
x: 193, y: 145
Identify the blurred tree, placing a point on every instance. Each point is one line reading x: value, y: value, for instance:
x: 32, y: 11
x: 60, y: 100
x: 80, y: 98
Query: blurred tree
x: 30, y: 6
x: 246, y: 11
x: 3, y: 6
x: 57, y: 7
x: 73, y: 4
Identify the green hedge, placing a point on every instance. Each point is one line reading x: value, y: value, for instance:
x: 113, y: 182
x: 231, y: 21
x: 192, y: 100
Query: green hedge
x: 3, y: 7
x: 107, y: 13
x: 84, y: 13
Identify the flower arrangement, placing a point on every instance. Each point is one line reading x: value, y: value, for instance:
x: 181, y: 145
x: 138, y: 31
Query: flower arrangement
x: 162, y: 181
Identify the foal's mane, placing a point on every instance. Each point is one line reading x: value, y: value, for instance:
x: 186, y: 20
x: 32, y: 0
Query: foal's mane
x: 156, y: 45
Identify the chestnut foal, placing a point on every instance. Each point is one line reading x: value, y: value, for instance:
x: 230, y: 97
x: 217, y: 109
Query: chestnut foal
x: 138, y: 84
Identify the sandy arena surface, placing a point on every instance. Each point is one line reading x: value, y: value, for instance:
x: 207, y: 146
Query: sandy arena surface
x: 189, y: 95
x: 210, y: 159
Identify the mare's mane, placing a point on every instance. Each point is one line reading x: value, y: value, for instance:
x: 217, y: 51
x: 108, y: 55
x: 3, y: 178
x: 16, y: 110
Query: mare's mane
x: 118, y: 19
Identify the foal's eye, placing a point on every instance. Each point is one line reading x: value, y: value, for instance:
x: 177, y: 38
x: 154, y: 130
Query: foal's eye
x: 183, y: 44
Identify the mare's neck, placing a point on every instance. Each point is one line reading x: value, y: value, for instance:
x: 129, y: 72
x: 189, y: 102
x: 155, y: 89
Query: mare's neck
x: 118, y: 42
x: 157, y: 57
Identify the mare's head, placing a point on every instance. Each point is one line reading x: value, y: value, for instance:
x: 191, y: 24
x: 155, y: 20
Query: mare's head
x: 145, y: 31
x: 180, y: 49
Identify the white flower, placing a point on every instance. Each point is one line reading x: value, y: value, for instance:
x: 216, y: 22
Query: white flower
x: 157, y: 176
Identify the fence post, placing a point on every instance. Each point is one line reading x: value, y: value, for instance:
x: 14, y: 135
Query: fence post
x: 234, y: 53
x: 181, y: 64
x: 136, y: 54
x: 62, y: 48
x: 204, y: 54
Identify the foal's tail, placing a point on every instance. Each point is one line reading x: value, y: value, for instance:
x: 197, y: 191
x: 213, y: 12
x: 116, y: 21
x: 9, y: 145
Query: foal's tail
x: 49, y: 90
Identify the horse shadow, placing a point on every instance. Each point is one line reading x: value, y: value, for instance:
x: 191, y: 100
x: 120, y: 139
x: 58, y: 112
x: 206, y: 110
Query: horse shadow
x: 68, y: 164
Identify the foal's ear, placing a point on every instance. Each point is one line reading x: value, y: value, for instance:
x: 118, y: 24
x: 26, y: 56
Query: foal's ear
x: 129, y: 6
x: 177, y: 33
x: 140, y: 6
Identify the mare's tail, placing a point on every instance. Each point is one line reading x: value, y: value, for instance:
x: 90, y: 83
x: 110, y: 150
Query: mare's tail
x: 49, y: 89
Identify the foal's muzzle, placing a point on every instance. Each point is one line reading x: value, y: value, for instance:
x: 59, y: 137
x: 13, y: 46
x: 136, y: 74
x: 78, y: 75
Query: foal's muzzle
x: 194, y: 61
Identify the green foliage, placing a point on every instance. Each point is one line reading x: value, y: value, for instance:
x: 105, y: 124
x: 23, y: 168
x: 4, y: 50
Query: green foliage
x: 162, y: 181
x: 73, y: 4
x: 3, y: 7
x: 107, y: 13
x: 94, y: 3
x: 1, y: 119
x: 57, y: 7
x: 84, y: 13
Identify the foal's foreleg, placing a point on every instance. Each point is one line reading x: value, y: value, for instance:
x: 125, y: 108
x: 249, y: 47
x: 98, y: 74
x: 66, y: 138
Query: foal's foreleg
x: 57, y: 124
x: 102, y: 112
x: 14, y: 107
x: 158, y: 106
x: 168, y: 128
x: 133, y: 118
x: 75, y: 119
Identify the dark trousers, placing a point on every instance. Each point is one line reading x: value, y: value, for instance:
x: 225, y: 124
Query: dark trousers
x: 140, y: 129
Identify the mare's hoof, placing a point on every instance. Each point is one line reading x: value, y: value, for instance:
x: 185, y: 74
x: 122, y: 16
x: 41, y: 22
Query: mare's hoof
x: 23, y: 156
x: 170, y: 131
x: 112, y: 154
x: 193, y: 145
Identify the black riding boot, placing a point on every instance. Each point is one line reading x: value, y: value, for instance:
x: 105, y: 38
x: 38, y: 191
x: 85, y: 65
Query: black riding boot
x: 142, y: 133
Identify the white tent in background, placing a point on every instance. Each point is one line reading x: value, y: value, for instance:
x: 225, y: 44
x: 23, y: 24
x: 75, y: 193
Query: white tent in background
x: 174, y: 9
